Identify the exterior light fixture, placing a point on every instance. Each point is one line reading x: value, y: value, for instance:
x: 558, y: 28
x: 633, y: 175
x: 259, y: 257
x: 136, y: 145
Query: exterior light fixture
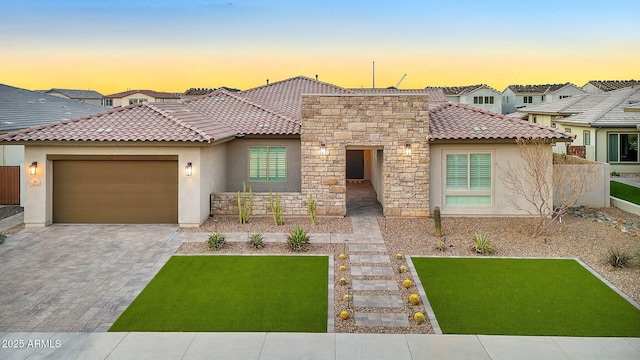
x: 407, y: 149
x: 33, y: 167
x: 323, y: 148
x: 188, y: 170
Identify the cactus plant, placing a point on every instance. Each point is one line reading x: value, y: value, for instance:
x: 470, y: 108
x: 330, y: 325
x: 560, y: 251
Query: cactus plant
x: 216, y: 241
x: 344, y: 315
x: 406, y: 283
x: 418, y: 318
x: 245, y: 207
x: 414, y: 299
x: 298, y: 239
x: 311, y: 206
x: 276, y: 209
x: 403, y: 268
x: 343, y: 281
x: 437, y: 220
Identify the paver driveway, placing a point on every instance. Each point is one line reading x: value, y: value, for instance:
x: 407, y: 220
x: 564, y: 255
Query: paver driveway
x: 66, y: 278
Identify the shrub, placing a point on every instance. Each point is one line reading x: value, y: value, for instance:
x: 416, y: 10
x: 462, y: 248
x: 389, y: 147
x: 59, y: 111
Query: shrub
x: 481, y: 244
x: 440, y: 246
x: 619, y: 258
x: 276, y: 209
x: 311, y: 206
x: 245, y: 207
x: 216, y: 241
x: 2, y: 237
x: 256, y: 240
x: 298, y: 239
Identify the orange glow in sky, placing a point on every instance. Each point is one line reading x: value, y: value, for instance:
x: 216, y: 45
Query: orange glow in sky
x: 172, y: 46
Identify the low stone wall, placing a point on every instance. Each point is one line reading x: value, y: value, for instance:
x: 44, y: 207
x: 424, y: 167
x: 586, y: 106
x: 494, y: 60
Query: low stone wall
x: 293, y: 204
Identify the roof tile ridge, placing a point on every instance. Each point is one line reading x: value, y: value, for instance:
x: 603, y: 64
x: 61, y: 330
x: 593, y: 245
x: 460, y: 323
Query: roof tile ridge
x: 169, y: 116
x: 216, y: 92
x: 263, y: 108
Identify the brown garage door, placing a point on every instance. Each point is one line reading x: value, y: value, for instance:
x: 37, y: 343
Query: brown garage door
x: 115, y: 191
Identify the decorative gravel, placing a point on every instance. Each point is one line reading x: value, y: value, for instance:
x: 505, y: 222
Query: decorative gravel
x: 264, y: 224
x: 9, y: 210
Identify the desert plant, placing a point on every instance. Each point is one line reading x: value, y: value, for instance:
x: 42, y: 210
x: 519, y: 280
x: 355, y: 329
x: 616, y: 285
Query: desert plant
x: 245, y: 207
x: 440, y: 246
x: 276, y: 208
x: 216, y: 240
x: 406, y: 283
x: 414, y: 299
x: 297, y: 239
x: 615, y: 174
x: 311, y: 206
x: 2, y: 238
x: 481, y: 243
x: 437, y: 221
x: 619, y: 258
x: 256, y: 240
x: 418, y: 318
x: 344, y: 315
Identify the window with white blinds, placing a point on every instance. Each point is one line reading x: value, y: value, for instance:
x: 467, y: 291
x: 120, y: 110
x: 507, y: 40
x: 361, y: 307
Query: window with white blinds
x: 468, y: 179
x: 268, y: 163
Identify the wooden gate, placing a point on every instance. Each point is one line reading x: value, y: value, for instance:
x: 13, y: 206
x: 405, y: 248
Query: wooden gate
x: 9, y: 185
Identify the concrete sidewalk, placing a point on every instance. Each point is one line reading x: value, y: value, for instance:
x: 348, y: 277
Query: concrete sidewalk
x: 296, y: 346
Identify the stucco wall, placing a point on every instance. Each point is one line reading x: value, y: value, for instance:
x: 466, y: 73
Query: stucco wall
x: 238, y: 169
x: 502, y: 154
x: 496, y: 107
x: 600, y: 195
x: 359, y: 121
x: 193, y: 196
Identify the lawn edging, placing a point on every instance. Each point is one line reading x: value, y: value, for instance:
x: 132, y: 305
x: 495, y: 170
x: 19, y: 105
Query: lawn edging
x: 423, y: 295
x: 625, y: 205
x: 609, y: 284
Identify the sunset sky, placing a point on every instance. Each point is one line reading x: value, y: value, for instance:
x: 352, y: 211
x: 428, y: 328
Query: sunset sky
x: 111, y: 46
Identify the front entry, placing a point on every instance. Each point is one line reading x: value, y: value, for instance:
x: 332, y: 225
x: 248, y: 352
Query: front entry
x: 355, y: 164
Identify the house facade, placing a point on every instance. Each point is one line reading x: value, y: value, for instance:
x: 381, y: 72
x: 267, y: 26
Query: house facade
x: 86, y: 96
x: 515, y: 97
x: 605, y: 126
x: 131, y: 97
x: 182, y: 162
x: 480, y: 96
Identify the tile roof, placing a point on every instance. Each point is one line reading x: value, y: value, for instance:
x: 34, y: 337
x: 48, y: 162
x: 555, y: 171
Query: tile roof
x: 150, y: 93
x: 436, y: 95
x: 140, y: 122
x: 610, y: 85
x: 76, y: 94
x: 21, y: 108
x: 537, y: 89
x: 598, y: 110
x: 205, y: 91
x: 461, y: 90
x: 285, y: 96
x: 463, y: 122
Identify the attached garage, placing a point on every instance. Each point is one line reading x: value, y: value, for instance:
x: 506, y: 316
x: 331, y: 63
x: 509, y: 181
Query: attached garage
x: 115, y: 189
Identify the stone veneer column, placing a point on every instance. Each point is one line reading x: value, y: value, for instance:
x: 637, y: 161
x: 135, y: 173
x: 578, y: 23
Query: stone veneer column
x: 382, y: 121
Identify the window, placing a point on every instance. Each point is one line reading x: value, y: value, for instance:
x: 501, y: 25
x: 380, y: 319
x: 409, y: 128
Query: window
x: 564, y: 96
x: 623, y: 147
x: 477, y: 100
x: 468, y: 179
x: 136, y: 101
x: 488, y: 99
x: 528, y: 99
x: 586, y: 137
x: 535, y: 119
x: 107, y: 102
x: 268, y: 163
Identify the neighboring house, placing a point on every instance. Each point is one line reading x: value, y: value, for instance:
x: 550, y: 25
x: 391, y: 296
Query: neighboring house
x: 515, y: 97
x: 197, y: 92
x: 479, y: 96
x: 21, y: 109
x: 85, y: 96
x: 604, y: 86
x: 606, y: 125
x: 181, y: 162
x: 131, y: 97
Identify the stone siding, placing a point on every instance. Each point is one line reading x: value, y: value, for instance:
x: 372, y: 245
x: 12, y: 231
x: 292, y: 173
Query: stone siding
x: 386, y: 122
x: 293, y: 204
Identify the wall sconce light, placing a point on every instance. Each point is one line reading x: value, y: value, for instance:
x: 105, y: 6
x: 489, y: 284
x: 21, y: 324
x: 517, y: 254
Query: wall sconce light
x: 33, y: 167
x: 188, y: 170
x: 407, y: 149
x: 323, y: 148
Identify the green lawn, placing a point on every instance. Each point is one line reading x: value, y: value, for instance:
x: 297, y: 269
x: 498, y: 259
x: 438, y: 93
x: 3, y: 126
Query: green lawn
x: 233, y: 293
x: 523, y: 297
x: 625, y: 192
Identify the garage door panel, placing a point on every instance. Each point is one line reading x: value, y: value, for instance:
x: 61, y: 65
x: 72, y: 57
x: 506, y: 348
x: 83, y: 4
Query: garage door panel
x: 94, y: 191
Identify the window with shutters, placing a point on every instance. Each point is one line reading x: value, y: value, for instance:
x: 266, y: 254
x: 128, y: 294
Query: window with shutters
x: 268, y: 163
x: 468, y: 179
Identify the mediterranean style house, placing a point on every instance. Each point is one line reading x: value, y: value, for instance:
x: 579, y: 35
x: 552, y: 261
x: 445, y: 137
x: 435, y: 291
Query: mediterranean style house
x: 606, y: 126
x: 182, y: 162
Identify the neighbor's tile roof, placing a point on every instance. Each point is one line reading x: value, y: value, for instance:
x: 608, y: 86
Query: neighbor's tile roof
x: 436, y: 95
x: 610, y: 85
x: 460, y: 90
x: 140, y: 122
x: 77, y: 94
x: 285, y: 96
x: 21, y: 108
x: 462, y: 122
x: 151, y: 93
x: 536, y: 89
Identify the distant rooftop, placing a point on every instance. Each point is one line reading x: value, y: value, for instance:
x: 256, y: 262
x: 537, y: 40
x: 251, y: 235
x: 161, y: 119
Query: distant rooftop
x: 151, y: 93
x: 460, y: 90
x: 537, y: 89
x: 76, y: 94
x: 610, y: 85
